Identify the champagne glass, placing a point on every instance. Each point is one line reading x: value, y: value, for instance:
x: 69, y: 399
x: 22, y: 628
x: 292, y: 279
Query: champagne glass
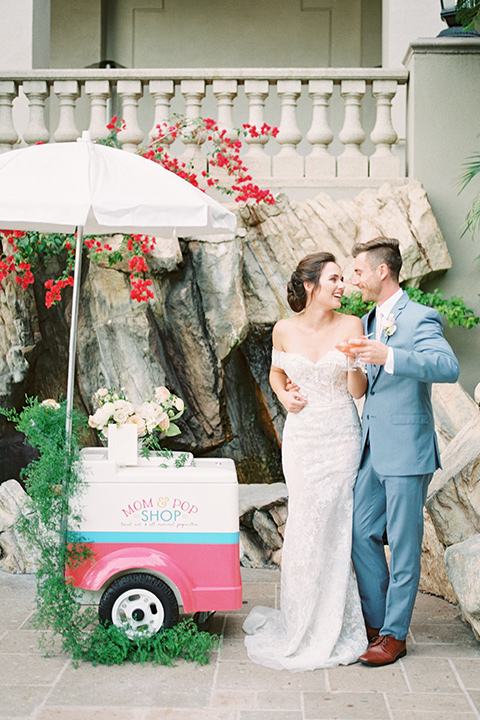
x: 348, y: 347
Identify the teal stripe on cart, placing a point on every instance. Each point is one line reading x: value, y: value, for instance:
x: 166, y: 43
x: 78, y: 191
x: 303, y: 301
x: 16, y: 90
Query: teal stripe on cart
x: 155, y: 537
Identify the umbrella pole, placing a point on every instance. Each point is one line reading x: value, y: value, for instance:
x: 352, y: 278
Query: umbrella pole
x: 73, y: 337
x: 71, y: 379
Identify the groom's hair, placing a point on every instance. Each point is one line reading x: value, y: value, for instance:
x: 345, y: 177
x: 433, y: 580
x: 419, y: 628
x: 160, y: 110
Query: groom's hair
x: 382, y: 250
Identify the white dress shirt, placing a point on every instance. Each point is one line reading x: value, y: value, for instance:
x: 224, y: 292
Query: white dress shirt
x: 383, y: 311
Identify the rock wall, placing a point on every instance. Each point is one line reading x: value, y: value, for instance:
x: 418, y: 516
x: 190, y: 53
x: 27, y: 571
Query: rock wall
x: 207, y: 333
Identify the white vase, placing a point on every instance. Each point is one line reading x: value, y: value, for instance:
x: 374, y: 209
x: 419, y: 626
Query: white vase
x: 122, y: 444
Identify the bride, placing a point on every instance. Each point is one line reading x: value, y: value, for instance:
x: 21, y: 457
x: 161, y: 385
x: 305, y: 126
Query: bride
x: 320, y: 622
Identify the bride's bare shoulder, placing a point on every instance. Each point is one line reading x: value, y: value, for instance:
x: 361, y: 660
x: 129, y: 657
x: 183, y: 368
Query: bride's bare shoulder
x: 282, y: 330
x: 351, y: 324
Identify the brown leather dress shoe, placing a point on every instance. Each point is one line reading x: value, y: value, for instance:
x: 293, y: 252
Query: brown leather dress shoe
x: 384, y: 650
x: 372, y: 633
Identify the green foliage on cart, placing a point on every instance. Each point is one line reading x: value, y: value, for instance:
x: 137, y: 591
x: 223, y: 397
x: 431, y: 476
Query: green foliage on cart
x: 53, y: 481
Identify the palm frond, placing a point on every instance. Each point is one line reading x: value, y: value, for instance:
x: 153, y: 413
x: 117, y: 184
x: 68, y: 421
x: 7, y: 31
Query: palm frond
x: 472, y: 169
x: 472, y: 221
x: 468, y: 12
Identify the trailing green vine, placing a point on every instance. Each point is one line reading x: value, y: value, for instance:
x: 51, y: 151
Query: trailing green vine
x: 453, y: 309
x: 53, y: 481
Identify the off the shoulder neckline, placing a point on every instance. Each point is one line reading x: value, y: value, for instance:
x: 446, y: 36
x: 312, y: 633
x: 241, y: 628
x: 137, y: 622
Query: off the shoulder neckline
x: 329, y: 352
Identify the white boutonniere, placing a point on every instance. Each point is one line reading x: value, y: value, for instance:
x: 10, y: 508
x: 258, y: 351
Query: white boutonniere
x: 388, y: 325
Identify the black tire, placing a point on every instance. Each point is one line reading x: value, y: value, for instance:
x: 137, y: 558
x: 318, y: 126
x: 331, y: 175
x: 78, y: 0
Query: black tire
x: 203, y: 620
x: 140, y: 603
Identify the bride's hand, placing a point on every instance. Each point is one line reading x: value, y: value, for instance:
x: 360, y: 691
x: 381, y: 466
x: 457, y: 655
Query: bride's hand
x: 292, y: 400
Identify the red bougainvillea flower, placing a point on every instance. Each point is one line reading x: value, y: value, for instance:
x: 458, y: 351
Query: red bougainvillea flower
x: 20, y: 251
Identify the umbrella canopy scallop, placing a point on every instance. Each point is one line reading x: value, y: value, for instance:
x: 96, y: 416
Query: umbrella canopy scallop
x: 58, y: 187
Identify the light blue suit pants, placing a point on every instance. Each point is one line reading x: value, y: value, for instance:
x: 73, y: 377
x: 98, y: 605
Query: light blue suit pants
x: 396, y: 504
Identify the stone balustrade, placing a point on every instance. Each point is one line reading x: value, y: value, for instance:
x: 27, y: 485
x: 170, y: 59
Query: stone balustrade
x: 333, y: 123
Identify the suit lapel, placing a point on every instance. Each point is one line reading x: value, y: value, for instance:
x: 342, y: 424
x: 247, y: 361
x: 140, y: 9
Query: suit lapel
x: 370, y: 329
x: 396, y: 312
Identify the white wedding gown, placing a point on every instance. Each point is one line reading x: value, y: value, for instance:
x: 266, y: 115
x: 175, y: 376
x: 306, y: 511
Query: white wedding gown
x: 320, y: 622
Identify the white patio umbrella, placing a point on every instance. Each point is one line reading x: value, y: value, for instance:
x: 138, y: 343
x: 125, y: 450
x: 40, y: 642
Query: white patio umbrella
x: 92, y: 189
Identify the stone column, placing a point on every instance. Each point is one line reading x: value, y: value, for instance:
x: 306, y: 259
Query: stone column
x: 403, y: 21
x: 442, y: 134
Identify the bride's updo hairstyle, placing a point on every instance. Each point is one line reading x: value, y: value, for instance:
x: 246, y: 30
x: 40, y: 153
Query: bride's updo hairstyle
x: 308, y: 269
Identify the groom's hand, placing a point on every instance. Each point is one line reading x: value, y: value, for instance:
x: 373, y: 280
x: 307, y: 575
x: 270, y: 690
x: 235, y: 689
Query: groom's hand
x: 292, y: 400
x: 371, y: 351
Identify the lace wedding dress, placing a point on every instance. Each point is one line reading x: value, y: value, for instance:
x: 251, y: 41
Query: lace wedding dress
x: 320, y: 622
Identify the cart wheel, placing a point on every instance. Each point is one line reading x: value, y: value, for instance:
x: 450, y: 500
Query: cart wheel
x: 203, y: 620
x: 140, y: 603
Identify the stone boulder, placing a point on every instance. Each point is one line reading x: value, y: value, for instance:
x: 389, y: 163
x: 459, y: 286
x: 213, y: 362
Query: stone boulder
x: 453, y: 501
x: 453, y: 409
x: 263, y: 513
x: 462, y: 562
x: 16, y: 556
x: 434, y: 579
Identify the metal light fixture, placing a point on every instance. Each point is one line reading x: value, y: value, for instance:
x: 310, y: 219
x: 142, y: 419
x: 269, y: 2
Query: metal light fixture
x: 449, y: 15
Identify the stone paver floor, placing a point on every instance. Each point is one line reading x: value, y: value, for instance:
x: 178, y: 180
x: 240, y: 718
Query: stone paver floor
x: 438, y: 680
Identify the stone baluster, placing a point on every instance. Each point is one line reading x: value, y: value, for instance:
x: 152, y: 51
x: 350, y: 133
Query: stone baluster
x: 162, y: 92
x: 288, y: 163
x: 256, y: 159
x: 351, y: 163
x: 8, y: 134
x: 193, y: 91
x: 130, y: 92
x: 67, y: 92
x: 320, y: 163
x: 36, y: 92
x: 99, y: 93
x: 225, y: 91
x: 383, y: 163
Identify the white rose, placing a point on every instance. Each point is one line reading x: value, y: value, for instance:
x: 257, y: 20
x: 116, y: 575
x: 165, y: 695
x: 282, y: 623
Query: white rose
x: 151, y: 410
x: 102, y: 416
x: 164, y: 422
x: 162, y: 393
x: 179, y: 404
x: 49, y: 403
x: 121, y: 411
x: 101, y: 392
x: 156, y: 410
x: 145, y: 410
x: 151, y: 424
x: 139, y: 422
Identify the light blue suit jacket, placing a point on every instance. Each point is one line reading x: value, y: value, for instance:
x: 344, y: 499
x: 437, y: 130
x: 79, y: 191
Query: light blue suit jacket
x: 397, y: 416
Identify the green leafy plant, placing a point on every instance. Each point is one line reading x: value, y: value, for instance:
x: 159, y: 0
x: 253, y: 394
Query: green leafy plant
x: 472, y: 169
x: 453, y: 309
x: 109, y: 645
x: 53, y: 481
x: 468, y: 13
x: 354, y: 304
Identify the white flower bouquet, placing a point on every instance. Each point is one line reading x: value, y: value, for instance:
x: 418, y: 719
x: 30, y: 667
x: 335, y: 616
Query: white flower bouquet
x: 156, y: 414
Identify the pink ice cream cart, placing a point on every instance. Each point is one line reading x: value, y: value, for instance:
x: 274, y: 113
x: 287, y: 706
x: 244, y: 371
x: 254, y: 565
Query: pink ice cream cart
x: 160, y: 537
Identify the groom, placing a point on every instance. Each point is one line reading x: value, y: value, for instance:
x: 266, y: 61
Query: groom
x: 405, y: 355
